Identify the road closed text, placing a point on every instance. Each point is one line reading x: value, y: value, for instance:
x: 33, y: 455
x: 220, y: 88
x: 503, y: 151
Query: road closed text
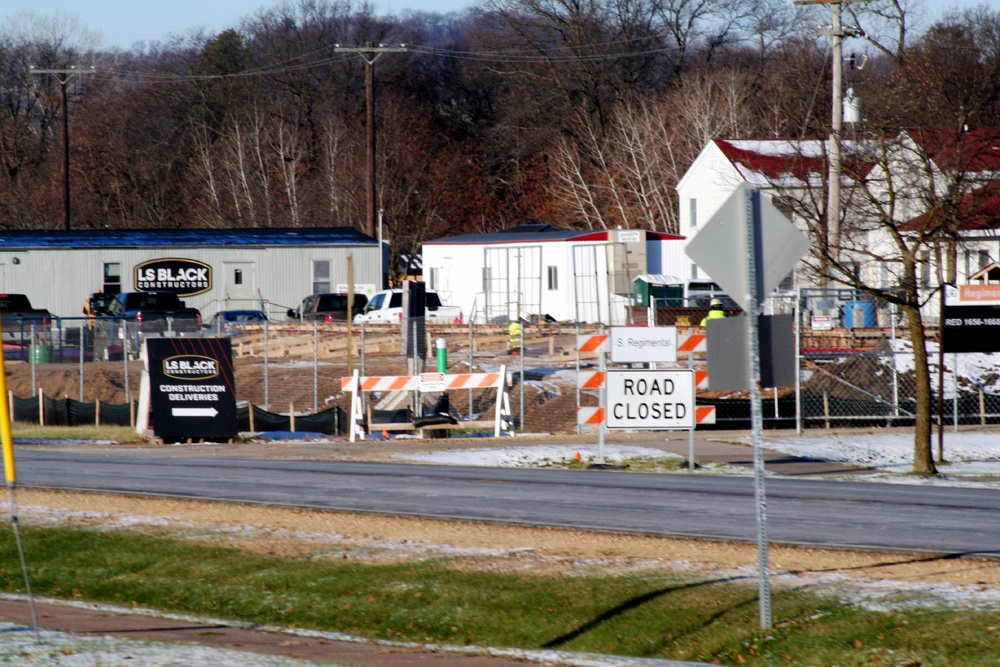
x: 650, y: 399
x: 653, y: 400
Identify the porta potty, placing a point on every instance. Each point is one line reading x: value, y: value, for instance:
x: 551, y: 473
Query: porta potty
x: 860, y: 314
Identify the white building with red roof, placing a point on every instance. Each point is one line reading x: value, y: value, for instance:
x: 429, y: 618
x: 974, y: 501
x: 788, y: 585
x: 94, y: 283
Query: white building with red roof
x: 904, y: 180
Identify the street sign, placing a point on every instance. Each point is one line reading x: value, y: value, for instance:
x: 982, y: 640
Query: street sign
x: 971, y: 329
x: 721, y: 247
x: 975, y: 294
x: 643, y: 344
x: 191, y: 386
x: 650, y: 399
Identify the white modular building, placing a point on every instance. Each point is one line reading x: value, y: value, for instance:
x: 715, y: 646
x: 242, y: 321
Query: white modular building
x: 547, y: 272
x: 211, y: 269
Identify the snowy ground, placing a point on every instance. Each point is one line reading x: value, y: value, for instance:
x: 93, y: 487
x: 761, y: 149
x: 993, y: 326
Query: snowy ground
x: 969, y: 454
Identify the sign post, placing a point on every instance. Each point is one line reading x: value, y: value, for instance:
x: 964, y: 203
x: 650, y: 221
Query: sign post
x: 748, y: 247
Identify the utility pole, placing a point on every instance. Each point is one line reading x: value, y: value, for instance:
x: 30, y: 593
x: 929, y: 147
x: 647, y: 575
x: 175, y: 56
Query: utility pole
x: 63, y: 76
x: 837, y: 34
x: 370, y: 53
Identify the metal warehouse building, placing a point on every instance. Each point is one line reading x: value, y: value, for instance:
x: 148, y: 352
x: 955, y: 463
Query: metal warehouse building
x: 212, y: 269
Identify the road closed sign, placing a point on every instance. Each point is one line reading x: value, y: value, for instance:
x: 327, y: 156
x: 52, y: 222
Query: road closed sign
x: 650, y: 399
x: 191, y: 386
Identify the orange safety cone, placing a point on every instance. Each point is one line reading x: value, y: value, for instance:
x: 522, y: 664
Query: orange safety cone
x: 578, y: 457
x: 385, y: 433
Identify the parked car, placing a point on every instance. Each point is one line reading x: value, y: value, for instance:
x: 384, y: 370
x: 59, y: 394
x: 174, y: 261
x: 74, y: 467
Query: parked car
x: 327, y: 307
x: 233, y: 322
x: 19, y: 318
x: 387, y: 307
x: 140, y: 314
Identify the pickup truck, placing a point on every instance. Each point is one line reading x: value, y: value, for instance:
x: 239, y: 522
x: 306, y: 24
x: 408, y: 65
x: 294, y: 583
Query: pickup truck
x: 139, y: 314
x: 387, y: 307
x: 327, y: 307
x: 17, y: 316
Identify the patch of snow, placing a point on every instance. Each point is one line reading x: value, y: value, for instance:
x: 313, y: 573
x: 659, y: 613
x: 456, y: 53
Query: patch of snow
x: 535, y: 456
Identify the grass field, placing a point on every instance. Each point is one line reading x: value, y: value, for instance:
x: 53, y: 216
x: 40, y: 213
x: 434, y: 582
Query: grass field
x: 679, y: 616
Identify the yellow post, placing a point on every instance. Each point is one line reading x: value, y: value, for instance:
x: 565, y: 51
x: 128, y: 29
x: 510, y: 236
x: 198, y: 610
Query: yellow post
x: 5, y: 437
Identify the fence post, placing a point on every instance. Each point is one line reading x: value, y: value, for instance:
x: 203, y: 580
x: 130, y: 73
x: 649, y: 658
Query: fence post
x: 577, y: 348
x: 982, y: 407
x: 826, y: 409
x: 32, y: 346
x: 267, y: 347
x: 316, y: 364
x: 128, y: 394
x: 83, y: 330
x: 471, y: 362
x: 798, y: 360
x: 520, y: 383
x: 954, y: 402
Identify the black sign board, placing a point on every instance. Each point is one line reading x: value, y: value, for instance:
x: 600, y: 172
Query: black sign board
x: 191, y: 388
x: 728, y: 369
x: 186, y: 277
x: 971, y: 329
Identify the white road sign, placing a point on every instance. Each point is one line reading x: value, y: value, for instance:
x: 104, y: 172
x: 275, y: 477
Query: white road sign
x: 650, y: 399
x: 643, y: 344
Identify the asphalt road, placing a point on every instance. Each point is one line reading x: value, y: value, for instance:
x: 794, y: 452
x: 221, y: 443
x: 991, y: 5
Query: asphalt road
x: 802, y: 511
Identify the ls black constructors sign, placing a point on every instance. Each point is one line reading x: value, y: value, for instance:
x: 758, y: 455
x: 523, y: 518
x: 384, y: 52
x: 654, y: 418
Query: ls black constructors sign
x: 186, y: 277
x: 191, y: 387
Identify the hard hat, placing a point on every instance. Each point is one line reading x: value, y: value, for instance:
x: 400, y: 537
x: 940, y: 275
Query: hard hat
x: 715, y: 302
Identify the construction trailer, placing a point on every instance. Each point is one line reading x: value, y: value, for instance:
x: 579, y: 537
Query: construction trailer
x: 539, y: 271
x: 211, y: 269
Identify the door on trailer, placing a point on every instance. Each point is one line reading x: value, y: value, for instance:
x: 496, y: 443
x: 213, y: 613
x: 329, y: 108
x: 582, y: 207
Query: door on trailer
x: 240, y: 286
x: 512, y: 283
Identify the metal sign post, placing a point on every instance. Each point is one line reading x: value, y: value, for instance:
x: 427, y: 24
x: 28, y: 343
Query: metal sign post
x: 754, y: 293
x: 749, y: 247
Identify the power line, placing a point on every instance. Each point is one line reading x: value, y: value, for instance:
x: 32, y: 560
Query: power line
x: 370, y: 54
x: 64, y: 76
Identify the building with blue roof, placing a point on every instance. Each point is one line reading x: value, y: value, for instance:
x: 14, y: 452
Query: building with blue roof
x: 212, y: 269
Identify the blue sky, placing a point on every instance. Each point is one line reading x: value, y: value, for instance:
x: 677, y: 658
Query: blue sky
x: 122, y: 23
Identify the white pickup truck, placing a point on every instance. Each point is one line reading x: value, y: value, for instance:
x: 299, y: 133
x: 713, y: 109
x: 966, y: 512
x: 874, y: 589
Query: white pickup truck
x: 387, y: 307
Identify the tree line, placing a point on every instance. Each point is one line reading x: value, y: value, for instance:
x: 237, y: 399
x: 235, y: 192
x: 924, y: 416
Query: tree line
x: 577, y: 114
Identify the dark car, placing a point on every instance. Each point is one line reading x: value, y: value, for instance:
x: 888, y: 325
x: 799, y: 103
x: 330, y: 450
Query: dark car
x: 232, y: 322
x: 327, y: 307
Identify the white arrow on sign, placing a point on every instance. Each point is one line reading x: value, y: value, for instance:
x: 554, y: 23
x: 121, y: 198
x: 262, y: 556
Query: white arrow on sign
x: 194, y: 412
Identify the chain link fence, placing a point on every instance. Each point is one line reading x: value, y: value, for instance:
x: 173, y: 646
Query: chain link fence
x: 857, y: 375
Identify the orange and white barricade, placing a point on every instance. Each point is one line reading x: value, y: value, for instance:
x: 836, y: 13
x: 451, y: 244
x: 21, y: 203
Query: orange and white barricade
x: 358, y: 385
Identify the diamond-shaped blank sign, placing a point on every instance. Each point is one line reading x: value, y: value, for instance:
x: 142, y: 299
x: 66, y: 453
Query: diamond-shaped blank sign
x: 721, y: 247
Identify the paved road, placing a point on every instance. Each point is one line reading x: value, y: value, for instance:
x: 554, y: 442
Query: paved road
x: 806, y: 511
